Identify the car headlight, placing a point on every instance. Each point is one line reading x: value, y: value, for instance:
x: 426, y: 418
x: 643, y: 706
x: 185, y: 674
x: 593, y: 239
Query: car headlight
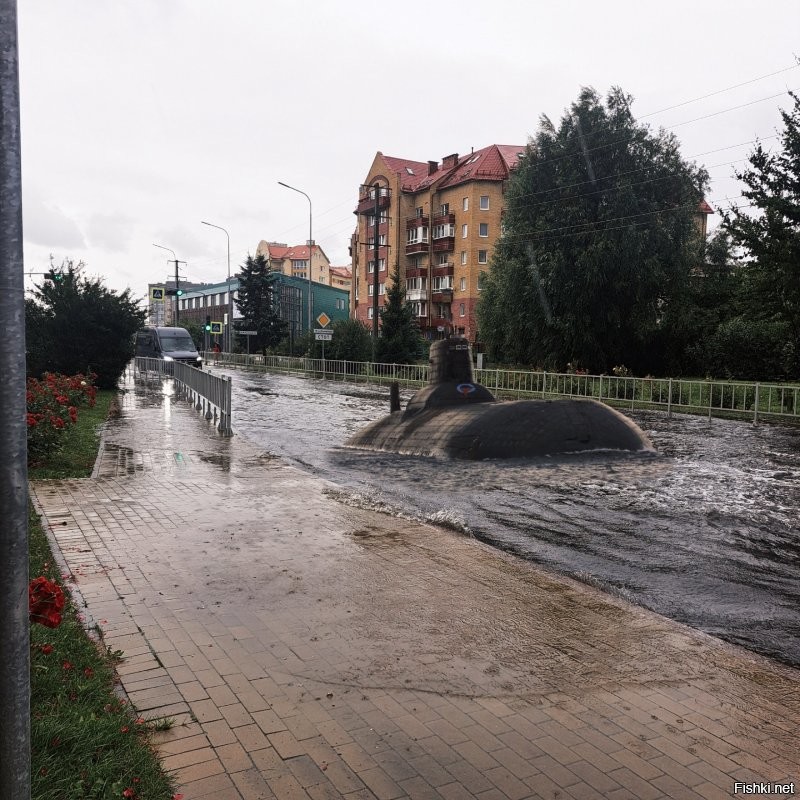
x: 199, y: 358
x: 168, y: 358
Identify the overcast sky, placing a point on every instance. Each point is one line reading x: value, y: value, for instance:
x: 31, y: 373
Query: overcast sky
x: 140, y: 118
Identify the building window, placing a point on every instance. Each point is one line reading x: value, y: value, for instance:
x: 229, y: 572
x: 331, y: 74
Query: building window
x: 464, y: 231
x: 418, y: 211
x: 369, y: 313
x: 465, y: 204
x: 442, y: 231
x: 484, y: 202
x: 441, y: 259
x: 483, y: 256
x: 463, y: 285
x: 370, y: 290
x: 443, y: 282
x: 371, y: 242
x: 445, y: 208
x: 483, y: 229
x: 461, y: 310
x: 480, y: 281
x: 463, y: 257
x: 415, y: 235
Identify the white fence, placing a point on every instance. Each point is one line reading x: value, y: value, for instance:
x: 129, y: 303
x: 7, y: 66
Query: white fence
x: 741, y: 400
x: 207, y: 393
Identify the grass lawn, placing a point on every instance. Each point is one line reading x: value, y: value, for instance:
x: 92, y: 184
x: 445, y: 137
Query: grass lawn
x: 85, y: 740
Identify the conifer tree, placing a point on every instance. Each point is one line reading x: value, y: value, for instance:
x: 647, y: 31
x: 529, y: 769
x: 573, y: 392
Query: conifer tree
x: 258, y: 303
x: 400, y: 341
x: 768, y: 230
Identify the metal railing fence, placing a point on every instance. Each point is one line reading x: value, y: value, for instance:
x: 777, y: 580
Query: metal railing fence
x: 209, y: 394
x: 739, y: 400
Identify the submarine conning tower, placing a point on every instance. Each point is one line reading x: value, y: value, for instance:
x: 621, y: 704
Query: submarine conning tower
x: 450, y: 379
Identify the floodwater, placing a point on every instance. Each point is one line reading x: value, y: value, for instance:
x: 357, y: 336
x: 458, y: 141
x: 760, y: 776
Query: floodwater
x: 705, y: 531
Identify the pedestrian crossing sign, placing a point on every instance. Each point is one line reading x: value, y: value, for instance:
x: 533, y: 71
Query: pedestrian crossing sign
x: 157, y: 294
x: 216, y: 327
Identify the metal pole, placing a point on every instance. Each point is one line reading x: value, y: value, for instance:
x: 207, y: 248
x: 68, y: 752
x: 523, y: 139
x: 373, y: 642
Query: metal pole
x: 310, y: 245
x: 230, y: 296
x: 15, y: 691
x: 177, y: 286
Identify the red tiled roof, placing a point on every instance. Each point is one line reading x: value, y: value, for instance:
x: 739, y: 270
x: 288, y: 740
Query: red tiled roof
x: 298, y: 252
x: 494, y: 162
x: 342, y: 272
x: 705, y: 208
x: 401, y: 166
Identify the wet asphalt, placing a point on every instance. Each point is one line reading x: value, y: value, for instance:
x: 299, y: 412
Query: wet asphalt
x: 306, y: 647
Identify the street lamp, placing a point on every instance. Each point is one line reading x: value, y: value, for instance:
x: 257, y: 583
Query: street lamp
x: 230, y: 296
x: 310, y: 245
x: 175, y: 259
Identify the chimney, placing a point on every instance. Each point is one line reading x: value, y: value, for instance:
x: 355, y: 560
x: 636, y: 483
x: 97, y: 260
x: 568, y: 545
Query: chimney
x: 432, y: 167
x: 448, y: 162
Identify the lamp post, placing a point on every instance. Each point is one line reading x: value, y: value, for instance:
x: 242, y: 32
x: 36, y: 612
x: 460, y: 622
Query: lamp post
x: 175, y: 259
x: 310, y: 245
x: 230, y: 296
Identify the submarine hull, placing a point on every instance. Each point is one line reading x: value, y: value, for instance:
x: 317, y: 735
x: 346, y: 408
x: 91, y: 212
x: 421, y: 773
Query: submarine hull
x: 524, y: 428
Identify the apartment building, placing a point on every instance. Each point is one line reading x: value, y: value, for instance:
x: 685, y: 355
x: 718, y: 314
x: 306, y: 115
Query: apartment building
x: 294, y: 261
x: 438, y: 223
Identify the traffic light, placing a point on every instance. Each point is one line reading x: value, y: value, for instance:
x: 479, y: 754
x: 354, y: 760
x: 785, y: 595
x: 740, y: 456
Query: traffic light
x: 208, y: 323
x: 173, y: 292
x: 56, y: 277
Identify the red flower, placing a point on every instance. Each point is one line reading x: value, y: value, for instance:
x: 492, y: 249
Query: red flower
x: 66, y: 666
x: 73, y: 413
x: 31, y: 420
x: 88, y: 672
x: 47, y: 649
x: 129, y: 792
x: 45, y: 602
x: 124, y: 729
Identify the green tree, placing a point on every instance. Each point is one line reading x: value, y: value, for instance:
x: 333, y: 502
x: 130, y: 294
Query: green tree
x: 768, y: 229
x: 75, y: 324
x: 351, y: 341
x: 400, y: 341
x: 599, y: 240
x: 198, y: 333
x: 258, y: 303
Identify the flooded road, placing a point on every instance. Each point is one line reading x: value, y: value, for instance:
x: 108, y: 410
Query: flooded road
x: 705, y: 532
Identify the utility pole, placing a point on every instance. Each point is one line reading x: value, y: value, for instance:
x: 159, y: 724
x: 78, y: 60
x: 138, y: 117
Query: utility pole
x: 15, y: 687
x: 375, y: 276
x: 177, y: 294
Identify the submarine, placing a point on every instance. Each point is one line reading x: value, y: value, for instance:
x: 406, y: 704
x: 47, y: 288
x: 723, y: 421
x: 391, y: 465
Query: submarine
x: 454, y: 417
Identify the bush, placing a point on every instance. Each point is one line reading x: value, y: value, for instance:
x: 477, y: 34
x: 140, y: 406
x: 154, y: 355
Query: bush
x: 52, y: 406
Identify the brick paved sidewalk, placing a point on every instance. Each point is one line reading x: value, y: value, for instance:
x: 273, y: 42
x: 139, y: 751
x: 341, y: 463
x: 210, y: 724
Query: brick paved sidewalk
x: 310, y: 649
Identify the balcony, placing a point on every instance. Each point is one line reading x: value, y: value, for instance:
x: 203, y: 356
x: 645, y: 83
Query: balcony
x: 417, y: 247
x: 444, y: 219
x: 443, y: 245
x: 440, y: 270
x: 416, y: 294
x: 417, y: 222
x: 417, y: 272
x: 442, y: 295
x: 366, y: 203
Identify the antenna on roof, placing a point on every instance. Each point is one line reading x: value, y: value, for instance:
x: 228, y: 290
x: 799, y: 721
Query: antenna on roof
x: 471, y: 150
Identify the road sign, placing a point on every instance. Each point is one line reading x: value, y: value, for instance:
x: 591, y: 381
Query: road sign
x: 323, y: 330
x: 323, y: 319
x: 323, y: 336
x: 157, y: 294
x: 247, y: 333
x: 216, y: 327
